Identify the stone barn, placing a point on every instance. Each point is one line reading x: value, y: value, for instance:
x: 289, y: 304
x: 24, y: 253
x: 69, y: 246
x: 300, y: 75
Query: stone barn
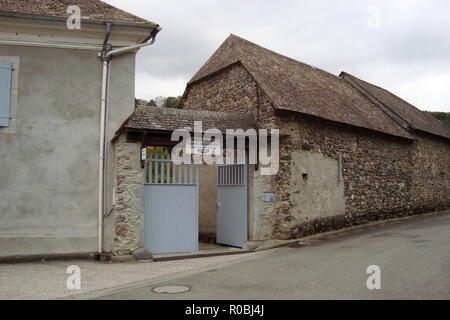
x: 350, y: 152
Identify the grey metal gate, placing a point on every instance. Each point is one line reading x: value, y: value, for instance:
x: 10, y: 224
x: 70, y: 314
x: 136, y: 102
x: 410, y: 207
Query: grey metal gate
x: 171, y: 206
x: 232, y: 204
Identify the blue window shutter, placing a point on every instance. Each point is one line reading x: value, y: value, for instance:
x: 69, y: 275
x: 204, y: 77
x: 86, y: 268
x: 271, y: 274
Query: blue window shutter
x: 5, y: 92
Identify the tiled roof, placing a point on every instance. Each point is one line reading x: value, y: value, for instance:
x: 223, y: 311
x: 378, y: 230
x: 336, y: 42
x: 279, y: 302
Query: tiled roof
x: 169, y: 119
x: 295, y: 86
x: 414, y: 117
x: 91, y: 9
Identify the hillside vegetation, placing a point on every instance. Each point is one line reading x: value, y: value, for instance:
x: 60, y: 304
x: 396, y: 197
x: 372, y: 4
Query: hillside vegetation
x: 444, y: 117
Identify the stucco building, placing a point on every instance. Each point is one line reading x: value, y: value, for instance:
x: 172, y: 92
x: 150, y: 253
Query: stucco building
x: 51, y: 186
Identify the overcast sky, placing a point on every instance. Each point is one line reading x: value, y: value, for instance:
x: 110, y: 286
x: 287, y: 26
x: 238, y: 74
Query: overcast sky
x: 401, y: 45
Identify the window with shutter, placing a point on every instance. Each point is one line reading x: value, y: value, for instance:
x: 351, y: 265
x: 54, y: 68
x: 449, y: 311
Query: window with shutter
x: 5, y: 92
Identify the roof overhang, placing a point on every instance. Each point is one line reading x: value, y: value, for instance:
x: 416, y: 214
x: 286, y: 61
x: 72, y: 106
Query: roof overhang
x: 161, y: 120
x: 48, y: 31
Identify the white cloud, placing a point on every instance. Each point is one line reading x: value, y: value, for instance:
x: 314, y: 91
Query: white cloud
x: 427, y: 92
x: 407, y: 55
x: 148, y: 86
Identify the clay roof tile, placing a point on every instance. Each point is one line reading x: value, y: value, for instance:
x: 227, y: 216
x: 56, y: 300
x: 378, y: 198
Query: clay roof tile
x: 90, y: 9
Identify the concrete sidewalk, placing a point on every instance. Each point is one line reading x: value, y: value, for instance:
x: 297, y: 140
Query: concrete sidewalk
x: 47, y: 280
x: 209, y: 250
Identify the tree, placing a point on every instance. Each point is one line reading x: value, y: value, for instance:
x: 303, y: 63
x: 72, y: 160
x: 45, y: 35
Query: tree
x: 172, y: 102
x: 167, y: 102
x: 160, y: 101
x: 158, y: 152
x: 444, y: 117
x: 151, y: 103
x: 139, y: 102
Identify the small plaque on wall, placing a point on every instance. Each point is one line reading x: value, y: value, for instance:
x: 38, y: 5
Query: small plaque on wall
x: 269, y: 196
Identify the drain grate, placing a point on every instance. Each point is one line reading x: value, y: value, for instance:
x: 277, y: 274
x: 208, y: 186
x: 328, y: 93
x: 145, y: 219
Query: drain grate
x: 171, y: 289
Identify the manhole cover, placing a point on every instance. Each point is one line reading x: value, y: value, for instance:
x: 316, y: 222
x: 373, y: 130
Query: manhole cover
x: 171, y: 289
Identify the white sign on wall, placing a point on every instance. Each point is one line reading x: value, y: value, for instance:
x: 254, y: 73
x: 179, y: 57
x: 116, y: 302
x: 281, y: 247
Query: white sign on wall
x: 269, y: 196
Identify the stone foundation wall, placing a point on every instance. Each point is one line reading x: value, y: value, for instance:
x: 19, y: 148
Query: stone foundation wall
x: 129, y: 198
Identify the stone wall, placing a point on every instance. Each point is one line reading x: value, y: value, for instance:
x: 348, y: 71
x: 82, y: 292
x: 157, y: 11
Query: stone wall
x: 233, y: 90
x: 430, y: 173
x: 375, y: 169
x: 128, y: 211
x: 383, y: 176
x: 316, y: 190
x: 260, y: 213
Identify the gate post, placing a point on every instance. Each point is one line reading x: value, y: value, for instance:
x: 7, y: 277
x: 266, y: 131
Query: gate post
x: 128, y: 213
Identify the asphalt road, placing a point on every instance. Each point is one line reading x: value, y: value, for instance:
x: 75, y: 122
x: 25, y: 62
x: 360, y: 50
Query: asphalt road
x: 413, y: 256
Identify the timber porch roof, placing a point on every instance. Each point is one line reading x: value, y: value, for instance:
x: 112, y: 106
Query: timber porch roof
x: 151, y: 118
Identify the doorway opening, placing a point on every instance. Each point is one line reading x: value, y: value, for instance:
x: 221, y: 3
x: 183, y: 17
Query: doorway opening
x: 192, y: 207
